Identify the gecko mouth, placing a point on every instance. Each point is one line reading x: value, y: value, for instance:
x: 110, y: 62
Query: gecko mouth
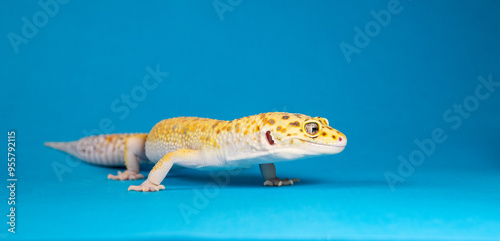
x: 324, y: 145
x: 321, y: 149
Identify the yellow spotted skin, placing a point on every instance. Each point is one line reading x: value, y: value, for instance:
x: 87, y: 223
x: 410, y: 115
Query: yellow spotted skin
x: 243, y: 138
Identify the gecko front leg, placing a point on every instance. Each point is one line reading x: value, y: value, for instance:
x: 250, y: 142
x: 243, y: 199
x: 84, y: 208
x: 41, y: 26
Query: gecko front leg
x: 133, y: 152
x: 162, y: 167
x: 268, y: 172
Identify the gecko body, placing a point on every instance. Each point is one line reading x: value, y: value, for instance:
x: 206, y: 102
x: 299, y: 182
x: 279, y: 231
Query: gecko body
x: 209, y: 144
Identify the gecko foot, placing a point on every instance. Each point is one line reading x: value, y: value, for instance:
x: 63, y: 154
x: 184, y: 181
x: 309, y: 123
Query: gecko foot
x: 276, y: 182
x: 147, y: 186
x: 127, y: 175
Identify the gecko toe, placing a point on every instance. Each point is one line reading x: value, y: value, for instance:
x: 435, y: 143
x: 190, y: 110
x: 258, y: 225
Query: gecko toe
x: 127, y: 175
x: 134, y: 188
x: 276, y: 182
x: 147, y: 186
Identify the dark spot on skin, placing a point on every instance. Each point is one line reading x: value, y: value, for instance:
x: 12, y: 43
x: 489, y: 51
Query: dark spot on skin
x: 285, y: 117
x: 257, y: 128
x: 228, y: 128
x: 323, y: 133
x: 214, y: 125
x: 289, y: 135
x: 329, y: 128
x: 301, y: 130
x: 278, y: 128
x: 334, y: 137
x: 271, y: 122
x: 338, y: 132
x: 269, y: 138
x: 295, y: 123
x: 284, y: 130
x: 218, y: 131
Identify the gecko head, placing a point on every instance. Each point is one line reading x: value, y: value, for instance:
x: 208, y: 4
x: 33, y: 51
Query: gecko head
x: 291, y: 136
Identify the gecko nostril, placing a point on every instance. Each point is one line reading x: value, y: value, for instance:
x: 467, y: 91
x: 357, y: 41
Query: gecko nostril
x: 340, y: 138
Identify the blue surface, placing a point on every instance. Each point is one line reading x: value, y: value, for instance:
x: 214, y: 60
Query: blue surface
x: 400, y: 88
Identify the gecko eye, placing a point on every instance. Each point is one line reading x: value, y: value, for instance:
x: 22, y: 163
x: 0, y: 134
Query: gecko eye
x: 312, y: 128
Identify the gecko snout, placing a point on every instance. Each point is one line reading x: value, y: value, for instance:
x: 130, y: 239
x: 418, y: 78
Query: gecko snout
x: 342, y: 141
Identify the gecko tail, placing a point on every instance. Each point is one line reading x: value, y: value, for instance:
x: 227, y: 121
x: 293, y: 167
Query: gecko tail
x: 68, y: 147
x: 106, y: 149
x: 56, y: 145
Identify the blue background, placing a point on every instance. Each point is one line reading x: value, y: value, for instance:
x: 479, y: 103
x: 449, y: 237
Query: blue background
x: 262, y: 56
